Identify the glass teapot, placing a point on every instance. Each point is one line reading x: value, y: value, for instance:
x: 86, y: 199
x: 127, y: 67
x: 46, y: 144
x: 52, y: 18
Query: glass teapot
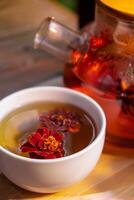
x: 99, y: 61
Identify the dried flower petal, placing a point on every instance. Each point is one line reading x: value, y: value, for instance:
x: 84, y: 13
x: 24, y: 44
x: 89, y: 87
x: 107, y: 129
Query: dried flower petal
x: 44, y: 144
x: 61, y: 120
x: 47, y: 142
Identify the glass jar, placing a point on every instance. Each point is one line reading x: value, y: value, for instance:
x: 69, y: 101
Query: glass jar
x: 100, y: 63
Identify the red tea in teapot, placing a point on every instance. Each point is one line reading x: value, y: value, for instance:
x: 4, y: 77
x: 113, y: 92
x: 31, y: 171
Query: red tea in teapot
x: 106, y: 73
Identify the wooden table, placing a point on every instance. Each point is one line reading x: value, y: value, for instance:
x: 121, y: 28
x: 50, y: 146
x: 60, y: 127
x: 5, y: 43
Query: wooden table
x: 21, y: 67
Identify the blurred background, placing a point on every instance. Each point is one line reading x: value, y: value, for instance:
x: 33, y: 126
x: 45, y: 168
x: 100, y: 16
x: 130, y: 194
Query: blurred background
x: 20, y: 65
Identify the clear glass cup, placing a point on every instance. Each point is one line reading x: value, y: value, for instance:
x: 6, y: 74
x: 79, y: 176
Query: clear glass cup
x: 100, y: 63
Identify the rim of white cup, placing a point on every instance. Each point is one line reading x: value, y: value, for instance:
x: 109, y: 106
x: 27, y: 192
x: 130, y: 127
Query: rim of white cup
x: 74, y: 155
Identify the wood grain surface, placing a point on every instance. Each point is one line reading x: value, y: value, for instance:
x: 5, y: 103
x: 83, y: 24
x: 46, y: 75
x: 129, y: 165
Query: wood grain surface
x: 21, y: 67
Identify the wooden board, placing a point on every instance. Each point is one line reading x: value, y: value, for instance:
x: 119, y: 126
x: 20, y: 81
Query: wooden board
x: 20, y: 65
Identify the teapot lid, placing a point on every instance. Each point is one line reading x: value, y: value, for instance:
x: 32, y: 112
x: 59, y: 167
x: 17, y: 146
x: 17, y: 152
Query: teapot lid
x: 125, y: 6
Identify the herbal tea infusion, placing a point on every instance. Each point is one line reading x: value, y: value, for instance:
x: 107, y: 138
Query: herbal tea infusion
x: 47, y: 130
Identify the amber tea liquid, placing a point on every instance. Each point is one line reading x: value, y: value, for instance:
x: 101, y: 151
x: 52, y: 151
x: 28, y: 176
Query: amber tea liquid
x: 19, y: 123
x: 98, y: 80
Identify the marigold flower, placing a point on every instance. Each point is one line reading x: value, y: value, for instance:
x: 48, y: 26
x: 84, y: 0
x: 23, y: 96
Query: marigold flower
x: 47, y: 142
x: 44, y: 143
x: 61, y: 120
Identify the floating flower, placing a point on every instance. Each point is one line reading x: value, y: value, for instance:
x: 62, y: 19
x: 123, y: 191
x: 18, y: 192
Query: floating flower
x: 47, y: 142
x: 44, y: 144
x: 61, y: 120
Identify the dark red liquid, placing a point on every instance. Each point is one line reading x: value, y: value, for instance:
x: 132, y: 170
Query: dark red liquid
x: 106, y: 74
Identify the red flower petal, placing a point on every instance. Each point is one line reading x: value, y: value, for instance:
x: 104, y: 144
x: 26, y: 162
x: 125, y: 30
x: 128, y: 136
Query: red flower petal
x: 58, y: 136
x: 34, y: 155
x: 42, y: 131
x: 50, y: 156
x: 26, y: 148
x: 37, y: 148
x: 34, y: 138
x: 41, y: 144
x: 58, y: 154
x: 42, y: 155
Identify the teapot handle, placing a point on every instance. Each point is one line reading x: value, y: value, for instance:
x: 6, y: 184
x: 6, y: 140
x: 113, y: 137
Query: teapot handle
x: 59, y: 40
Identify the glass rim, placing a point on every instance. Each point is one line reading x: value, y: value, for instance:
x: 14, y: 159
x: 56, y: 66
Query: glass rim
x: 126, y: 17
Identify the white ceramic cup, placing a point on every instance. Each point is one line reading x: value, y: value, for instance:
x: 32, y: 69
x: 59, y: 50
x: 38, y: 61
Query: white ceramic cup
x: 46, y: 176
